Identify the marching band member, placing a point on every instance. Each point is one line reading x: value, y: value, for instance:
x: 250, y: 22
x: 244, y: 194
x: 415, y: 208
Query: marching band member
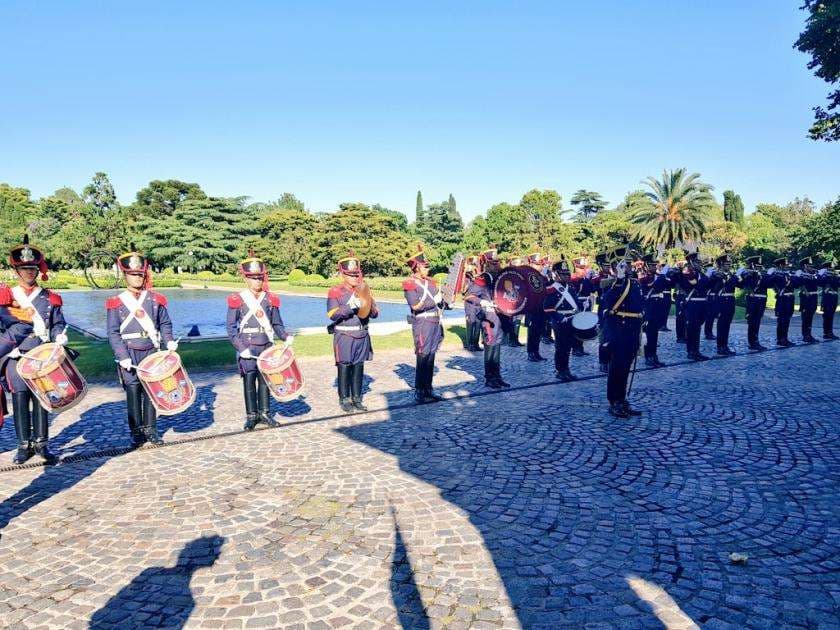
x: 784, y: 284
x: 560, y: 303
x: 536, y: 319
x: 653, y: 282
x: 829, y: 282
x: 622, y: 305
x: 426, y: 303
x: 808, y: 292
x: 480, y: 293
x: 679, y: 304
x: 138, y: 324
x: 253, y: 323
x: 31, y: 316
x: 516, y: 320
x: 755, y: 283
x: 723, y: 284
x: 351, y: 340
x: 662, y: 267
x: 471, y: 269
x: 695, y: 284
x: 491, y: 265
x: 582, y: 282
x: 601, y: 281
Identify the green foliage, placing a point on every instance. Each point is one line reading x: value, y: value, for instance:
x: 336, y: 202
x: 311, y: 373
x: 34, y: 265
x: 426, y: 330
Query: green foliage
x: 286, y: 239
x: 100, y: 194
x: 819, y: 234
x: 588, y: 203
x: 440, y: 225
x: 821, y: 39
x: 764, y: 237
x: 419, y: 209
x: 17, y: 212
x: 733, y: 208
x: 296, y: 275
x: 400, y: 220
x: 162, y: 197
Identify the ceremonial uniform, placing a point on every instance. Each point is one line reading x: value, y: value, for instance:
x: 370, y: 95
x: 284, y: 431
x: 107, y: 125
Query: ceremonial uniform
x: 585, y: 288
x: 491, y: 266
x: 536, y: 318
x: 712, y: 307
x: 695, y: 284
x: 622, y: 305
x: 723, y: 284
x: 473, y: 331
x: 426, y: 303
x: 755, y: 284
x: 253, y: 324
x: 31, y: 316
x: 679, y: 312
x: 351, y: 340
x: 829, y: 283
x: 560, y: 304
x: 667, y: 297
x: 784, y: 283
x: 602, y: 281
x: 654, y: 285
x: 808, y: 296
x: 479, y: 292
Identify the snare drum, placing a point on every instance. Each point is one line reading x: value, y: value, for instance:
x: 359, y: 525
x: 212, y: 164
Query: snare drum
x: 585, y: 325
x: 52, y: 377
x: 281, y: 373
x: 166, y: 382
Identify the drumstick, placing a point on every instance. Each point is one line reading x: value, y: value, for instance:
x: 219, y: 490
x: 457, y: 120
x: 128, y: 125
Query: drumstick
x: 135, y: 367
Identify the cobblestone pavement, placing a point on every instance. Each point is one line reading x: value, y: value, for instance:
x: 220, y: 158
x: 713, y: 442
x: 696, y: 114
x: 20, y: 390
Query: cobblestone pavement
x: 529, y: 508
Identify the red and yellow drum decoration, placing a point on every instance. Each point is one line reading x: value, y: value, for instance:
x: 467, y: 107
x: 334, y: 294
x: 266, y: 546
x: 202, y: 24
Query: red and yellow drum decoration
x: 281, y: 373
x: 519, y: 290
x: 166, y: 382
x: 52, y: 377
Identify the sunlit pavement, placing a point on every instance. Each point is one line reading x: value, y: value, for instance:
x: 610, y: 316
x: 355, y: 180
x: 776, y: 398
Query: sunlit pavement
x: 528, y: 508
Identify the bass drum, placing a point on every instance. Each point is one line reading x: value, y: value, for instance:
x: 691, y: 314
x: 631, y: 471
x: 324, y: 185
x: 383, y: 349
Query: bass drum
x: 166, y: 382
x: 52, y: 377
x: 281, y: 373
x: 585, y: 325
x: 519, y: 290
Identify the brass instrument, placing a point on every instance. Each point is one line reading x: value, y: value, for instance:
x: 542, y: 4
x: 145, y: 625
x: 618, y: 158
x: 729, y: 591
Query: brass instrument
x: 363, y: 293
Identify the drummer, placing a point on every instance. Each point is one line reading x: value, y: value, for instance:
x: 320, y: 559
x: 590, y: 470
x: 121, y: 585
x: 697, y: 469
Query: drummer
x: 471, y: 269
x: 560, y: 304
x: 253, y: 323
x: 479, y: 293
x: 351, y: 340
x: 138, y: 323
x: 516, y: 320
x: 426, y: 303
x: 582, y: 282
x: 31, y: 316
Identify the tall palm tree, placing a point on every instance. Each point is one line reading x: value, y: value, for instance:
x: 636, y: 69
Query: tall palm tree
x: 675, y: 210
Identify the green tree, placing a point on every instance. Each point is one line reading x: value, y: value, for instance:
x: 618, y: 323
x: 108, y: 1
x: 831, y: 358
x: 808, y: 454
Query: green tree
x: 733, y: 208
x: 99, y: 193
x: 419, y: 210
x: 17, y: 212
x: 821, y: 40
x: 509, y: 228
x: 588, y: 203
x: 441, y: 225
x: 476, y: 236
x: 819, y: 234
x: 288, y: 239
x: 163, y: 197
x: 399, y: 217
x: 675, y: 210
x: 543, y: 211
x: 764, y: 237
x: 452, y: 204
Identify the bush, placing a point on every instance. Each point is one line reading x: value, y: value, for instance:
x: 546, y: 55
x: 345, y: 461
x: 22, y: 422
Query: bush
x: 296, y: 275
x: 440, y: 278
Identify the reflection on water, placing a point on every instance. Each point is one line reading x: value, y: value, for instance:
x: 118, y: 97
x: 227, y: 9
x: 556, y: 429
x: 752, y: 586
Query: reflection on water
x: 207, y: 310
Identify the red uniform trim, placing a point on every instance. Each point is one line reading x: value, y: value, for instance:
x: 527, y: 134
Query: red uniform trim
x: 159, y: 298
x: 5, y: 295
x: 409, y: 285
x: 112, y: 303
x: 234, y: 300
x: 55, y: 298
x: 336, y: 292
x: 273, y: 299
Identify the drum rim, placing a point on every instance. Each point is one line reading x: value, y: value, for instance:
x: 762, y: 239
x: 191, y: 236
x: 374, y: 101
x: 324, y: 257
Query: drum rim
x: 283, y: 366
x: 159, y: 377
x: 44, y: 371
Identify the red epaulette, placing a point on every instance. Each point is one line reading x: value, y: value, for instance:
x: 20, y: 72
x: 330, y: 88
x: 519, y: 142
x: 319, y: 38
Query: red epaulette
x: 112, y: 303
x: 273, y: 299
x: 159, y: 298
x: 234, y: 300
x: 409, y: 284
x: 5, y: 295
x: 550, y: 289
x: 55, y: 298
x: 336, y: 291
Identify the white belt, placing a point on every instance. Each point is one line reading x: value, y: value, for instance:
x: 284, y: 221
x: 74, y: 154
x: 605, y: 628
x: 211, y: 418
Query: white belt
x: 758, y: 296
x: 809, y: 293
x: 427, y: 314
x: 830, y: 291
x: 138, y: 335
x: 252, y: 330
x: 350, y: 328
x: 702, y: 299
x: 726, y: 295
x: 656, y: 295
x: 566, y: 312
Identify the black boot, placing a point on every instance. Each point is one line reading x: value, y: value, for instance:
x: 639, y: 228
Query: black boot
x: 134, y: 411
x: 150, y: 421
x: 429, y: 372
x: 356, y: 386
x: 419, y: 380
x: 536, y: 357
x: 344, y: 378
x: 565, y: 376
x: 23, y: 426
x: 490, y: 379
x: 617, y: 410
x: 513, y: 335
x: 41, y: 432
x: 629, y: 410
x: 264, y: 403
x: 249, y: 387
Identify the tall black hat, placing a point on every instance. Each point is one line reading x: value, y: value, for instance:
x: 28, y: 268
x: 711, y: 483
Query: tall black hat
x: 350, y: 265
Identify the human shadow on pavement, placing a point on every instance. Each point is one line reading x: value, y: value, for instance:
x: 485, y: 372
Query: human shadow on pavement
x: 404, y: 592
x: 198, y: 417
x: 160, y: 596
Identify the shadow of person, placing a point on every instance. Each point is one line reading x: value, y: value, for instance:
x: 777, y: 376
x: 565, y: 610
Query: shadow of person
x: 199, y: 415
x: 404, y: 592
x: 160, y: 596
x: 461, y: 332
x: 405, y: 373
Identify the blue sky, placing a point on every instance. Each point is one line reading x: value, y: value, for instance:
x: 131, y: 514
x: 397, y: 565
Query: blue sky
x: 364, y: 101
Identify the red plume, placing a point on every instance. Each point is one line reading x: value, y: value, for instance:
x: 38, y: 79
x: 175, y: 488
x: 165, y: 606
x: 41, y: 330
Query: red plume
x: 42, y: 267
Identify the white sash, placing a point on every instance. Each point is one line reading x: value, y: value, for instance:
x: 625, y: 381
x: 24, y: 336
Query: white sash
x: 256, y: 311
x: 134, y: 305
x: 565, y: 297
x: 39, y: 326
x: 427, y: 293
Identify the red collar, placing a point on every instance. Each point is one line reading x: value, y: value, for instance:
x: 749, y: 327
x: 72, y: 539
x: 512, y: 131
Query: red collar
x: 28, y: 290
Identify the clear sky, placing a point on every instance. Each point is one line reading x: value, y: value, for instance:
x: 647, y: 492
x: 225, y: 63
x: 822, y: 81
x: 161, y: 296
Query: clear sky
x: 371, y: 101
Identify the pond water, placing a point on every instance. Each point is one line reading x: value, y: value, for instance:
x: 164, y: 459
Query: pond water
x: 207, y: 309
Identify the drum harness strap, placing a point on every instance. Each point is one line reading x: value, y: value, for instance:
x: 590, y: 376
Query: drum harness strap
x: 39, y: 326
x: 426, y: 294
x: 566, y: 297
x: 135, y: 305
x: 255, y: 311
x: 620, y: 301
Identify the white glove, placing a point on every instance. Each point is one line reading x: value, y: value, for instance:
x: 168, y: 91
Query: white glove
x: 246, y: 354
x: 354, y: 302
x: 710, y: 272
x: 799, y: 273
x: 740, y: 272
x: 771, y: 271
x: 61, y: 339
x: 486, y: 304
x: 822, y: 272
x: 125, y: 364
x: 172, y: 346
x: 15, y: 353
x: 590, y: 274
x: 438, y: 297
x: 665, y: 269
x: 290, y: 340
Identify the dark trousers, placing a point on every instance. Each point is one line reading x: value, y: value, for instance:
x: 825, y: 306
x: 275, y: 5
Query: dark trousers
x: 726, y: 311
x: 563, y: 342
x: 695, y: 315
x: 782, y: 327
x: 666, y: 308
x: 621, y: 362
x: 536, y: 327
x: 651, y: 338
x: 711, y: 315
x: 829, y: 305
x: 807, y: 308
x: 755, y: 311
x: 680, y: 317
x: 492, y: 361
x: 424, y: 372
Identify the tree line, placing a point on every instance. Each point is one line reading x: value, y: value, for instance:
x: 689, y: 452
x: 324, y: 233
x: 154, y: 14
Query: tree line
x: 180, y: 227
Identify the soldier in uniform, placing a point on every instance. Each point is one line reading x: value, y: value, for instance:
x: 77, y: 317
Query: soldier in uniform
x: 601, y: 282
x: 491, y: 265
x: 667, y: 299
x: 679, y: 306
x: 695, y: 285
x: 536, y: 319
x: 516, y: 320
x: 351, y: 341
x: 582, y: 282
x: 471, y: 269
x: 784, y: 283
x: 253, y: 324
x: 560, y: 304
x: 829, y: 282
x: 138, y: 324
x: 622, y: 305
x: 31, y: 316
x: 722, y: 282
x: 755, y: 283
x: 808, y: 294
x: 480, y: 293
x: 653, y: 282
x: 426, y: 303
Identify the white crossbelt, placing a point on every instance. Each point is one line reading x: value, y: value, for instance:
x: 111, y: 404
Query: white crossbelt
x: 350, y: 328
x: 427, y: 294
x: 255, y: 311
x: 39, y: 326
x: 134, y: 306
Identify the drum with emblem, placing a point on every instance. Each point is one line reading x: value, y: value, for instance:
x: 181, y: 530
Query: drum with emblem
x: 166, y: 382
x: 52, y: 377
x: 281, y: 373
x: 585, y: 325
x: 519, y: 290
